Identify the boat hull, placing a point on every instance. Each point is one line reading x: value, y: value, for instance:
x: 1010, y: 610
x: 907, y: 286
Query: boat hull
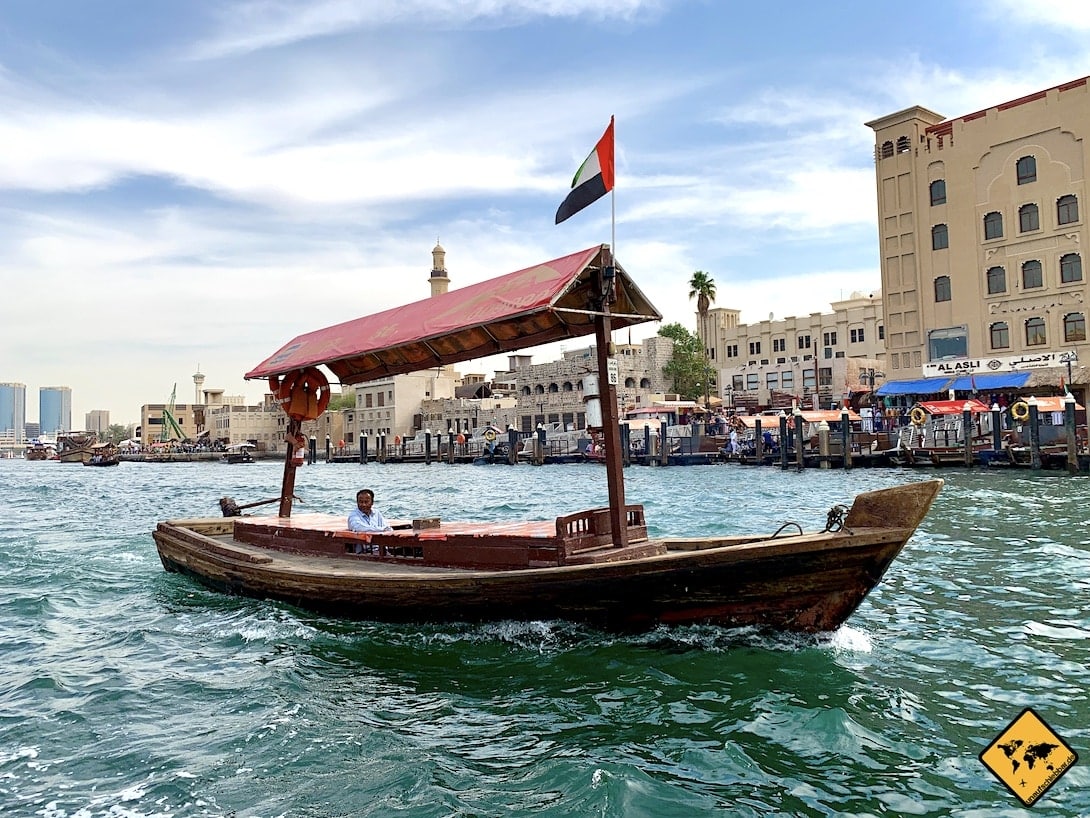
x: 805, y: 582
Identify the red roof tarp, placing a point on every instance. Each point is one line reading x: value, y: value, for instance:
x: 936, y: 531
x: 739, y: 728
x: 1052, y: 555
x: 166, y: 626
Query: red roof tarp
x: 538, y: 305
x: 953, y: 407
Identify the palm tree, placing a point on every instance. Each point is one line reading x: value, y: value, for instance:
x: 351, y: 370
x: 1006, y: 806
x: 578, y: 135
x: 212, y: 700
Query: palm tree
x: 702, y: 287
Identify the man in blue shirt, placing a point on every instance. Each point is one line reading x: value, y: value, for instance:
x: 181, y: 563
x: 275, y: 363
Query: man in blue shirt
x: 364, y: 517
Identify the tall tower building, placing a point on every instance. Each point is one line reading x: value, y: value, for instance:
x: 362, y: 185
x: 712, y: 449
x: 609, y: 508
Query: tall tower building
x: 55, y: 409
x: 12, y: 414
x: 440, y: 283
x: 198, y: 383
x: 981, y: 231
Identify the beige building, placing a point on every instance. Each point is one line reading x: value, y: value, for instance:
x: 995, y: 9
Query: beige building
x: 97, y: 421
x: 981, y: 234
x: 818, y: 359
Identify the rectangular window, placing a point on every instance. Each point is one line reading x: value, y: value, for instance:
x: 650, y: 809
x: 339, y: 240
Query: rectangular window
x: 752, y: 382
x: 779, y: 344
x: 732, y: 350
x: 787, y: 380
x: 825, y: 376
x: 754, y: 347
x: 881, y: 332
x: 808, y: 380
x: 830, y: 339
x: 828, y: 352
x: 857, y: 336
x: 380, y: 399
x: 368, y: 401
x: 738, y: 383
x: 1000, y: 336
x: 804, y: 342
x: 772, y: 380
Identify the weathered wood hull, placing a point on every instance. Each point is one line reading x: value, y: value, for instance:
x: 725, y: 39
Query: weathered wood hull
x: 805, y: 582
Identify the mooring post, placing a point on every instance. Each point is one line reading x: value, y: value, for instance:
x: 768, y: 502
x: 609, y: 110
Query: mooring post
x: 785, y: 440
x: 846, y: 437
x: 997, y: 430
x: 1034, y: 433
x: 799, y: 457
x: 758, y: 442
x: 363, y: 449
x: 1069, y: 428
x: 967, y: 431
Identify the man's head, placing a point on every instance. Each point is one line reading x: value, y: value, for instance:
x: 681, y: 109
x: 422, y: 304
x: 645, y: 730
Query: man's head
x: 365, y: 498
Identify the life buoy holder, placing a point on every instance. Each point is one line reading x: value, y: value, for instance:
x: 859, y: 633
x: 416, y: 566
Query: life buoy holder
x: 1020, y: 410
x: 461, y: 439
x: 490, y: 435
x: 303, y: 394
x: 918, y: 416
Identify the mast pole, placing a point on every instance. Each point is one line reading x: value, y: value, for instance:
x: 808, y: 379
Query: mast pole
x: 604, y: 289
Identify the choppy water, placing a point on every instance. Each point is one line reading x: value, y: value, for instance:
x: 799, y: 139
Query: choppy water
x: 126, y: 691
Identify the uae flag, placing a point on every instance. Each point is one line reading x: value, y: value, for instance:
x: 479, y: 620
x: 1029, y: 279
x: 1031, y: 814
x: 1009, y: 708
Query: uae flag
x: 593, y: 180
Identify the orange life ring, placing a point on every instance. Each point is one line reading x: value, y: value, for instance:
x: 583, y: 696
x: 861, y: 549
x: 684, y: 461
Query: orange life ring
x: 461, y: 439
x: 1020, y: 410
x: 397, y: 440
x: 918, y: 416
x: 304, y: 394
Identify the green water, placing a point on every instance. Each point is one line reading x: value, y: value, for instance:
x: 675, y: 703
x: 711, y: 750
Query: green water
x: 130, y: 692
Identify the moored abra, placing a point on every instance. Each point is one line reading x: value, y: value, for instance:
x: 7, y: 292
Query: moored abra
x: 597, y: 566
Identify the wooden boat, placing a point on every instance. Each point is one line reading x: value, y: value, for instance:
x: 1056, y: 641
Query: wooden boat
x: 40, y: 449
x: 597, y: 566
x: 238, y: 453
x: 76, y: 447
x: 103, y: 454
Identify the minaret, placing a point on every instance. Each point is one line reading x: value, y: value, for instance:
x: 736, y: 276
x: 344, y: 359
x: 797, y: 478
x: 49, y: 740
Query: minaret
x: 439, y: 281
x: 198, y: 382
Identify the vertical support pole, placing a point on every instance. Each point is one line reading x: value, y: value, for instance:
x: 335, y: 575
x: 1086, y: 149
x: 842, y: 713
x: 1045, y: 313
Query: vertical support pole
x: 604, y: 294
x: 823, y: 445
x: 1069, y: 430
x: 1034, y: 434
x: 427, y: 447
x: 647, y: 444
x: 967, y: 432
x: 313, y: 450
x: 512, y: 445
x: 328, y: 450
x: 626, y: 445
x: 785, y: 440
x: 294, y: 439
x: 664, y: 446
x: 758, y: 442
x: 845, y: 438
x: 450, y: 445
x: 363, y: 449
x: 800, y: 461
x: 997, y: 428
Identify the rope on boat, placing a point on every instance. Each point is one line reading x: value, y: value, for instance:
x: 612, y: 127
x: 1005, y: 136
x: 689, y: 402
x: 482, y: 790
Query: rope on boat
x: 834, y: 521
x: 782, y: 527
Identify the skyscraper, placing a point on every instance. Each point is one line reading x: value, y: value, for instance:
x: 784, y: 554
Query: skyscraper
x: 12, y: 413
x: 55, y: 409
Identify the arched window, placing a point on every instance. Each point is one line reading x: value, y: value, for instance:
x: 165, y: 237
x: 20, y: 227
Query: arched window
x: 645, y: 383
x: 1074, y: 327
x: 1070, y: 268
x: 1067, y: 209
x: 567, y: 387
x: 903, y: 145
x: 997, y: 280
x: 887, y: 150
x: 938, y: 192
x: 554, y: 388
x: 993, y: 225
x: 539, y: 389
x: 1035, y: 332
x: 942, y: 288
x: 1028, y: 218
x: 1026, y: 169
x: 1031, y: 275
x: 526, y: 390
x: 1000, y: 335
x: 629, y: 383
x: 940, y: 237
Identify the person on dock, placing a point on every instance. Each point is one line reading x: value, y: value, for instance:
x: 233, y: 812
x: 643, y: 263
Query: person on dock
x: 365, y: 517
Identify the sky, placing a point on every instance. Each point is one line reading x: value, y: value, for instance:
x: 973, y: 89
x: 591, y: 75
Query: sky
x: 190, y: 185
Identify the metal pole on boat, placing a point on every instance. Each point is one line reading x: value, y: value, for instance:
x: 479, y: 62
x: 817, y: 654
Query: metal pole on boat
x: 1069, y: 428
x: 1034, y: 434
x: 997, y: 428
x: 604, y: 294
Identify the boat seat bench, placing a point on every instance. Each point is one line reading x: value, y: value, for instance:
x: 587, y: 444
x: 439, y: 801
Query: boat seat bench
x: 584, y: 537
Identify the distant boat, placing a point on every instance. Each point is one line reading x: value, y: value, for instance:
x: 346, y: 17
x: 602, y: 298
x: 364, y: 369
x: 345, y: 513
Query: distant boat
x: 41, y: 448
x: 599, y: 565
x: 238, y: 453
x: 75, y: 447
x: 103, y: 454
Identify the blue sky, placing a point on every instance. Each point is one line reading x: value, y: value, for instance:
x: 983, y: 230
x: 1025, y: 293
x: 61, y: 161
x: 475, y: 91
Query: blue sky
x: 179, y: 181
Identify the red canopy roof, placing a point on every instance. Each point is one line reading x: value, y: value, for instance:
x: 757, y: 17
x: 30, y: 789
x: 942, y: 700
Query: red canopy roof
x: 548, y: 302
x: 953, y: 407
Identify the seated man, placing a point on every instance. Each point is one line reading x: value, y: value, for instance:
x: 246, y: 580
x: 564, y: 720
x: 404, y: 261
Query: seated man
x: 364, y: 517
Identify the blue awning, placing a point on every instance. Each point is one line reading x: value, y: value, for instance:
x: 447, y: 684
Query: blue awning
x: 991, y: 380
x: 922, y: 386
